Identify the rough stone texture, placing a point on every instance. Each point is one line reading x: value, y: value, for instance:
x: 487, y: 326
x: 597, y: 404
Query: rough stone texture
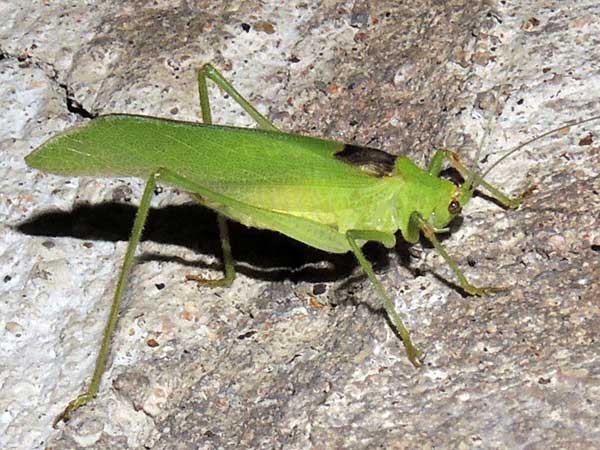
x: 297, y: 354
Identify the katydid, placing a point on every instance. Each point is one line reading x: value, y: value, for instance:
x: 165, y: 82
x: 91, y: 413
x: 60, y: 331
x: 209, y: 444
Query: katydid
x: 326, y: 194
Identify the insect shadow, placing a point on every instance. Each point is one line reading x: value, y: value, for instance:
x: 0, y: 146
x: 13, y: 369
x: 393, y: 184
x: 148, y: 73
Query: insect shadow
x: 259, y: 254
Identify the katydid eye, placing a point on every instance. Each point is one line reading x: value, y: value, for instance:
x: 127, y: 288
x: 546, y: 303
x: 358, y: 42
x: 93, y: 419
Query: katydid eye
x: 454, y: 207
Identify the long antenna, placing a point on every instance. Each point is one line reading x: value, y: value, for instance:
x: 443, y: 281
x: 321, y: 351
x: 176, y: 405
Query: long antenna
x: 537, y: 138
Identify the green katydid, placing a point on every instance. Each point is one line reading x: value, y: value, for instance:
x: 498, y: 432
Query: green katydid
x: 327, y: 194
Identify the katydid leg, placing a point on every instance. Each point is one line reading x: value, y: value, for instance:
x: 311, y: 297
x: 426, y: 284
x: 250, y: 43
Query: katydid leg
x: 208, y: 71
x: 228, y: 262
x: 430, y: 234
x: 113, y: 316
x: 437, y: 162
x: 387, y: 239
x: 474, y: 178
x: 414, y: 354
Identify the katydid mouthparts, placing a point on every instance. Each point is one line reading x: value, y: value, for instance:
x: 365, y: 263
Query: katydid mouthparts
x: 326, y: 194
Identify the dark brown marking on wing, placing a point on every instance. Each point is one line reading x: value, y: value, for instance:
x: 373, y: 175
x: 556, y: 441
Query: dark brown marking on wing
x: 370, y: 160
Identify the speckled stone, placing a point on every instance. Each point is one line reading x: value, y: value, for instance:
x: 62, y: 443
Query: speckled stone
x: 269, y: 363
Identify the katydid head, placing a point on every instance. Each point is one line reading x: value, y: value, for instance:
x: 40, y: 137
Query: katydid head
x: 433, y: 199
x: 446, y: 204
x: 444, y: 214
x: 448, y: 210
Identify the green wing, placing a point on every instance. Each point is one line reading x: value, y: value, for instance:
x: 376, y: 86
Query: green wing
x: 125, y: 145
x: 279, y: 172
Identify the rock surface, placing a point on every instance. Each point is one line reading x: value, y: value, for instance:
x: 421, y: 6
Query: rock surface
x: 297, y: 354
